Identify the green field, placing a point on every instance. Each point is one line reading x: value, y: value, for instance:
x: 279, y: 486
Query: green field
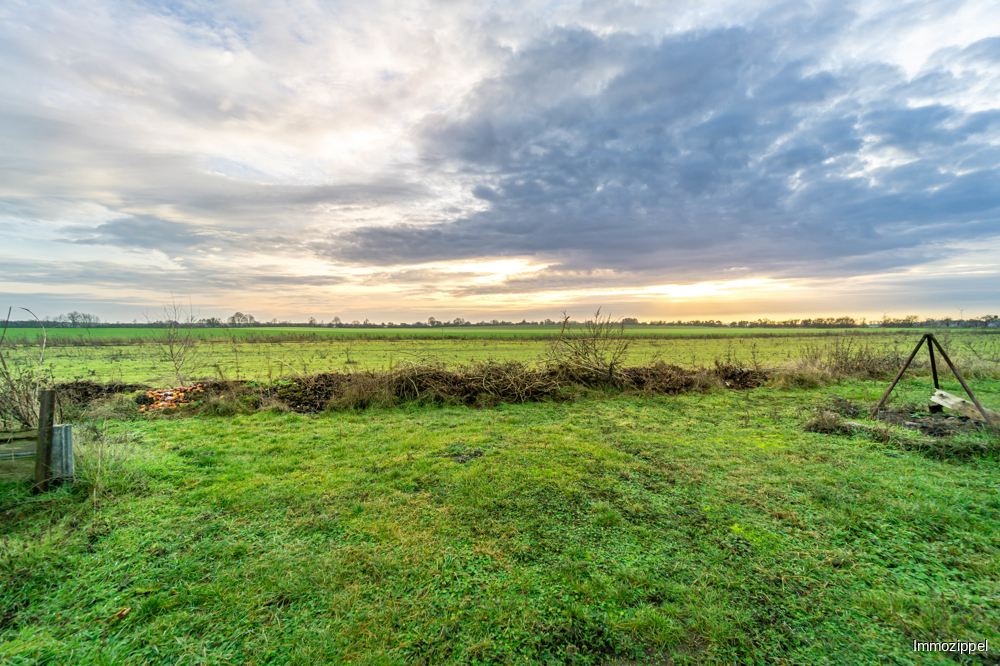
x: 145, y: 359
x: 59, y: 336
x: 611, y: 529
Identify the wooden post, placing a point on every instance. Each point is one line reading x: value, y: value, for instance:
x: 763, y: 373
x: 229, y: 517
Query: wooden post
x: 43, y: 457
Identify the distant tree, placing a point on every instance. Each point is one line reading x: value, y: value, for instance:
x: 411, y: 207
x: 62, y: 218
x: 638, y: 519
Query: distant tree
x: 630, y: 321
x: 81, y: 319
x: 312, y: 321
x: 240, y: 319
x: 431, y: 321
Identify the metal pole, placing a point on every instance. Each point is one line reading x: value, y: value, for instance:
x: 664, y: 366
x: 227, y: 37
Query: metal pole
x: 901, y: 371
x: 62, y: 453
x: 934, y: 409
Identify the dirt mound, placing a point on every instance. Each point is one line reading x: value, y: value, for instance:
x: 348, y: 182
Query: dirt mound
x: 313, y: 393
x: 84, y: 392
x: 913, y: 417
x: 940, y: 424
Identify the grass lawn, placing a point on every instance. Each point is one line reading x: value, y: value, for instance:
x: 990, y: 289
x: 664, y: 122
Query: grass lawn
x: 612, y: 529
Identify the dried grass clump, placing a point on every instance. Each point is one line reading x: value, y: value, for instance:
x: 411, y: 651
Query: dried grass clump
x: 801, y: 373
x: 826, y: 422
x: 121, y: 405
x: 229, y: 398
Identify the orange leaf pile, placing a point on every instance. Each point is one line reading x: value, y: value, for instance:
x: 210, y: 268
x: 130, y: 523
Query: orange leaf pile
x: 174, y: 397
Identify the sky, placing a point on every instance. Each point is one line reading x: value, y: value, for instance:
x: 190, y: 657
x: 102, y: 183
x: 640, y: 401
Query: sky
x: 398, y: 160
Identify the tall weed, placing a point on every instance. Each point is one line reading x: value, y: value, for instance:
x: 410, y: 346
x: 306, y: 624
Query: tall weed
x: 107, y: 462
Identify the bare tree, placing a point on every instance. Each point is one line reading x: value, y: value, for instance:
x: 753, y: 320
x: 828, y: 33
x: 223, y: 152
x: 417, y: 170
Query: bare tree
x: 178, y: 342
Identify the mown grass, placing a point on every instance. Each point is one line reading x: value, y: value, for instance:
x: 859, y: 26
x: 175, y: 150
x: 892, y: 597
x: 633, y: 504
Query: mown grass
x: 618, y: 529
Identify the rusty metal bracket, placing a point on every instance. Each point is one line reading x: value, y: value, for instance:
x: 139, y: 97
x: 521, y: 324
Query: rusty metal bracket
x: 931, y: 343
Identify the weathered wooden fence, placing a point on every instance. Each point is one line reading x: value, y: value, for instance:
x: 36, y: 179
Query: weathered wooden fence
x: 44, y: 454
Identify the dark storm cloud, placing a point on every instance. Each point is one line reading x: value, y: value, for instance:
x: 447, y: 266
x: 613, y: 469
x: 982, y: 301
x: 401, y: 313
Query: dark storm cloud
x: 706, y: 150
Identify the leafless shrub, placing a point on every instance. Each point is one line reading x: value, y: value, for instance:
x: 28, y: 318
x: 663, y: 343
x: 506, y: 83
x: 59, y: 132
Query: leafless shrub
x: 21, y: 381
x: 593, y: 356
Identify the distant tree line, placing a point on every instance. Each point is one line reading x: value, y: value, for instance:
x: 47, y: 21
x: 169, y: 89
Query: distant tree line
x: 240, y: 319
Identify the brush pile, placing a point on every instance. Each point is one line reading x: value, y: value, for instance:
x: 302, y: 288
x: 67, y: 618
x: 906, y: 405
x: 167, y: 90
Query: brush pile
x: 487, y: 383
x: 170, y: 398
x: 659, y: 378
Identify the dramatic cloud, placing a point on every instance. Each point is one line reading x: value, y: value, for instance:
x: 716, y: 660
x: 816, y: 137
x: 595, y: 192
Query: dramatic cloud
x: 407, y: 157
